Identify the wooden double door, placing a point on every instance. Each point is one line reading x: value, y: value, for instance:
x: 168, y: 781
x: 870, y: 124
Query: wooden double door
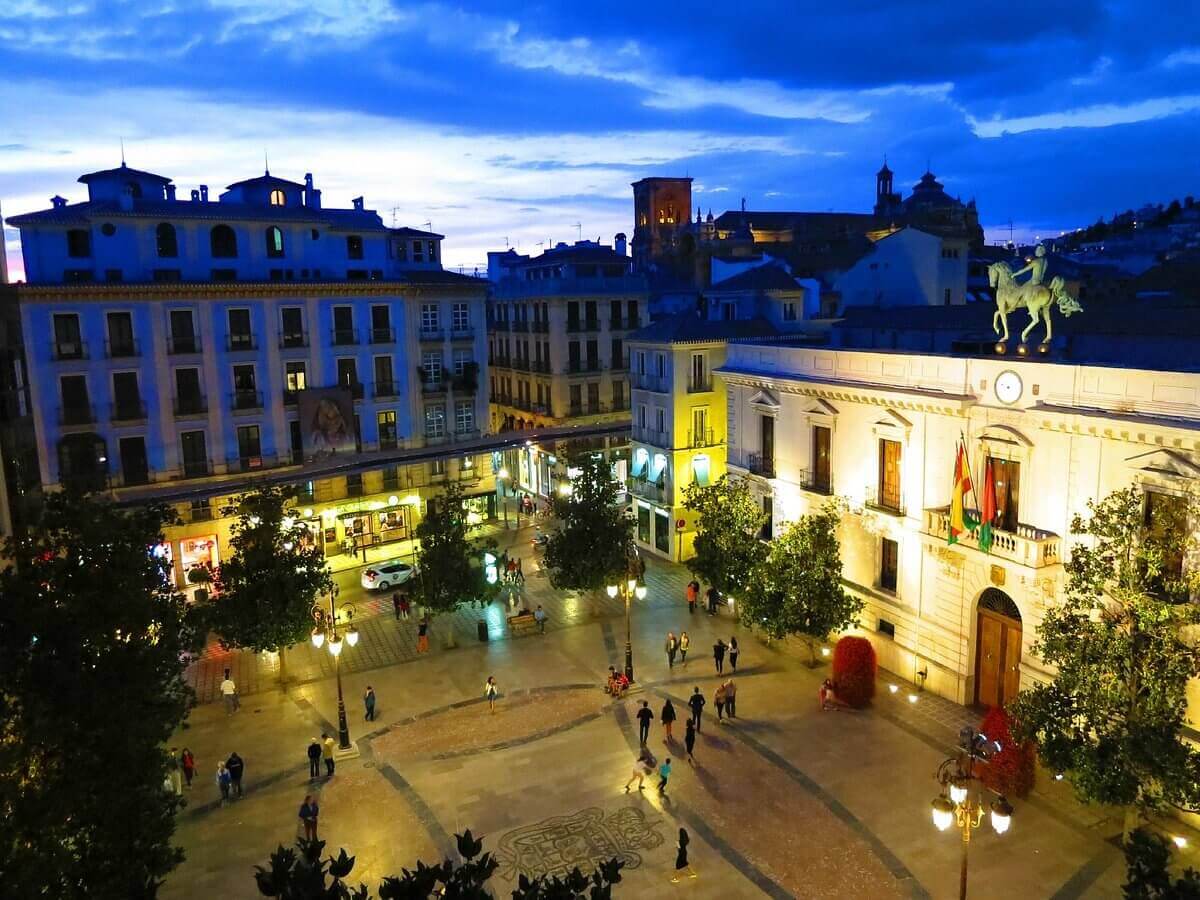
x: 997, y: 659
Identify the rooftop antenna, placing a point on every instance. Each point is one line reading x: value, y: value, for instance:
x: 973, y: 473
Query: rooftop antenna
x: 579, y: 228
x: 428, y: 226
x: 266, y: 163
x: 506, y: 242
x: 122, y: 152
x: 395, y: 209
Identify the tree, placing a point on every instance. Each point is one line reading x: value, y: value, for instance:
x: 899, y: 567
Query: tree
x: 727, y: 546
x: 93, y: 645
x: 1148, y: 874
x: 797, y: 587
x: 450, y: 567
x: 1111, y: 718
x: 593, y: 544
x: 304, y: 876
x: 267, y: 587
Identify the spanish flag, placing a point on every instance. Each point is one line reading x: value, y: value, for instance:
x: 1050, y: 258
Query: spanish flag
x: 960, y: 519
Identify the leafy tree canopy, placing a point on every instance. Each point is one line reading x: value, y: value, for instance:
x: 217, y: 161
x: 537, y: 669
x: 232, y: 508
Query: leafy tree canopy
x: 450, y: 565
x: 1148, y: 873
x: 93, y: 643
x: 274, y: 575
x: 797, y: 587
x: 593, y: 544
x: 1112, y: 718
x: 727, y: 546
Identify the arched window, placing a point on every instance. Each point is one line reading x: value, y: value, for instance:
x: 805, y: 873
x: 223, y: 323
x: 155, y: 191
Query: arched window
x: 274, y: 242
x: 166, y: 241
x: 278, y: 198
x: 223, y: 242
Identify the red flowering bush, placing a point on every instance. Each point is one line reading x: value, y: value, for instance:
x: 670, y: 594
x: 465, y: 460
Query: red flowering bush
x: 854, y: 668
x: 1011, y: 769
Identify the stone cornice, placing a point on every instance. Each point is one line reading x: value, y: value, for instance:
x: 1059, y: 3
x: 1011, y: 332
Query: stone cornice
x: 234, y: 290
x: 885, y: 395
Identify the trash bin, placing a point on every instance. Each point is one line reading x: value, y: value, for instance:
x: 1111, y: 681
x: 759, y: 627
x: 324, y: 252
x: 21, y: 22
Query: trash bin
x: 481, y: 627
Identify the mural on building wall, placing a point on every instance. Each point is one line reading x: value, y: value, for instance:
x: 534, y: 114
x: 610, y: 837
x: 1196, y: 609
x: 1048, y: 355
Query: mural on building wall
x: 327, y: 421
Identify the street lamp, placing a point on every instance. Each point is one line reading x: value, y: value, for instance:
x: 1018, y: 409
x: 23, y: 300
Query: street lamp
x: 962, y: 800
x: 501, y: 478
x: 325, y: 630
x: 628, y: 589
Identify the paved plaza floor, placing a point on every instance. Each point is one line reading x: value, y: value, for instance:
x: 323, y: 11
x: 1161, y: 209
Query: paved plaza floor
x: 784, y: 801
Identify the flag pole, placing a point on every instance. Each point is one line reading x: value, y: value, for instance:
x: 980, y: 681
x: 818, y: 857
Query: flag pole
x: 967, y: 461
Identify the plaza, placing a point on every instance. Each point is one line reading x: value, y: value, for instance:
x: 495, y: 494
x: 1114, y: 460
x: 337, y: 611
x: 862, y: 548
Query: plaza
x: 784, y: 801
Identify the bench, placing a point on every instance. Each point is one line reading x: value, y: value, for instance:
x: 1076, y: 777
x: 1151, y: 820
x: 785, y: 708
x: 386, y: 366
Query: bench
x: 521, y: 624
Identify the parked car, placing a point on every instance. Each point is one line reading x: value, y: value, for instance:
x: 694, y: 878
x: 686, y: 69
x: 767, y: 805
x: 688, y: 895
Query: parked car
x: 383, y: 575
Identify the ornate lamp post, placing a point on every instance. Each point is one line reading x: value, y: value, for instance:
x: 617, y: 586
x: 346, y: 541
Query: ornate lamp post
x: 326, y: 629
x: 628, y: 589
x: 961, y: 802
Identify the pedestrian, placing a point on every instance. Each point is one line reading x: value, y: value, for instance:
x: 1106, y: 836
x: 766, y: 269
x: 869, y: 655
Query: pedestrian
x: 696, y: 702
x: 423, y: 634
x: 188, y: 763
x: 309, y: 810
x: 681, y: 857
x: 733, y: 653
x: 731, y: 698
x: 236, y: 768
x: 684, y: 643
x: 490, y: 690
x: 672, y: 647
x: 396, y: 604
x: 644, y: 717
x: 223, y: 782
x: 174, y: 770
x: 719, y: 700
x: 327, y: 752
x: 229, y: 694
x: 668, y: 719
x: 719, y: 655
x: 713, y: 597
x: 643, y: 767
x: 404, y: 606
x: 520, y: 573
x: 314, y: 759
x: 369, y: 703
x: 689, y: 739
x: 664, y: 772
x: 539, y: 616
x: 693, y: 594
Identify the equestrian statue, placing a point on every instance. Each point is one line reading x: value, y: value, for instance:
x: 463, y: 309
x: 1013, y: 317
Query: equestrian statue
x: 1031, y: 295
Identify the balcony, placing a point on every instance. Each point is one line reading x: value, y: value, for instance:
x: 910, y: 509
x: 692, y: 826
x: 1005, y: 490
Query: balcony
x: 197, y: 468
x: 248, y: 463
x: 122, y: 349
x: 498, y: 325
x: 133, y: 410
x: 466, y: 383
x: 816, y: 482
x: 520, y: 365
x: 466, y: 333
x: 1027, y: 546
x: 238, y: 343
x: 654, y: 491
x: 654, y: 383
x: 541, y: 366
x: 583, y: 366
x: 432, y: 334
x: 293, y: 341
x: 434, y: 387
x: 652, y: 436
x: 68, y: 350
x: 76, y: 414
x: 190, y: 405
x: 246, y: 401
x: 387, y: 442
x: 290, y: 398
x: 344, y: 337
x: 705, y: 437
x: 699, y: 385
x: 620, y: 364
x: 520, y: 325
x: 760, y: 464
x: 384, y: 389
x: 574, y: 326
x: 540, y: 326
x: 889, y: 502
x: 383, y: 335
x: 357, y: 389
x: 179, y: 344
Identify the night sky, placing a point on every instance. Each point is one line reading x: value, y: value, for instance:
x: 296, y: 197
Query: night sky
x: 496, y: 121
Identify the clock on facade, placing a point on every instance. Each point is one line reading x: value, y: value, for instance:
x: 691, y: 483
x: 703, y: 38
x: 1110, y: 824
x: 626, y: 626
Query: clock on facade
x: 1008, y: 387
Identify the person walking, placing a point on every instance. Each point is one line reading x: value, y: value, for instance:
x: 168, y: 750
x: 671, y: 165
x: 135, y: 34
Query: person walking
x: 309, y: 810
x: 223, y: 782
x: 229, y: 695
x: 405, y: 606
x: 719, y: 655
x: 712, y: 597
x: 327, y: 753
x: 369, y: 703
x: 719, y: 700
x: 672, y: 647
x: 693, y: 594
x: 314, y: 760
x: 668, y: 719
x: 664, y: 772
x: 520, y: 573
x: 733, y: 653
x: 684, y: 643
x: 187, y: 762
x: 731, y: 698
x: 175, y: 772
x: 236, y: 768
x: 423, y: 634
x: 490, y: 691
x: 689, y: 739
x: 696, y: 703
x: 681, y: 857
x: 396, y: 604
x: 641, y: 768
x: 539, y: 616
x: 644, y: 717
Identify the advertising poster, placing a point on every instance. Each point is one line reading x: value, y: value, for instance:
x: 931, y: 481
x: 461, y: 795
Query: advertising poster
x: 327, y: 421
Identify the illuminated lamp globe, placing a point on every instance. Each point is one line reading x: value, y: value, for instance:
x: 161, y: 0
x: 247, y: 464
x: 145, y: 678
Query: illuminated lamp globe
x: 612, y: 590
x: 1001, y: 815
x: 335, y: 646
x: 943, y: 813
x: 958, y: 790
x: 640, y: 592
x: 564, y: 489
x: 318, y: 638
x: 631, y: 585
x: 503, y: 473
x: 352, y: 636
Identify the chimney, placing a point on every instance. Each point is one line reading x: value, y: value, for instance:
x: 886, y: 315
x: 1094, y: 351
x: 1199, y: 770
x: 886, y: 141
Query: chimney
x: 619, y: 243
x: 170, y: 192
x: 195, y: 196
x: 308, y: 188
x: 204, y: 193
x: 358, y: 202
x: 58, y: 202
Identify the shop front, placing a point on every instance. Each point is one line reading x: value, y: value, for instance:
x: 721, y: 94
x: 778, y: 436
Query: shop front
x: 203, y: 553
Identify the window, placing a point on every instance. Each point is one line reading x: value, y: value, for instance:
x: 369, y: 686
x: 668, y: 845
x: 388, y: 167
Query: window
x: 700, y: 436
x: 768, y: 526
x: 165, y: 241
x: 572, y: 316
x: 383, y: 376
x: 183, y: 332
x: 889, y: 560
x: 576, y: 399
x: 766, y: 443
x: 249, y: 446
x: 223, y: 242
x: 889, y: 475
x: 291, y: 327
x: 660, y: 362
x: 462, y: 359
x: 464, y: 416
x: 660, y: 420
x: 354, y: 484
x: 662, y: 531
x: 642, y: 416
x: 460, y: 317
x: 432, y: 248
x: 699, y: 373
x: 593, y: 396
x: 631, y: 314
x: 295, y: 376
x: 418, y: 251
x: 67, y: 342
x: 432, y: 364
x: 127, y: 399
x: 821, y: 480
x: 641, y: 363
x: 278, y: 198
x: 134, y: 468
x: 188, y: 398
x: 120, y: 334
x: 1006, y: 479
x: 435, y: 421
x: 573, y: 364
x: 79, y: 243
x: 296, y: 444
x: 398, y: 249
x: 643, y: 524
x: 789, y: 312
x: 381, y: 323
x: 274, y: 243
x: 947, y: 296
x: 430, y: 319
x: 386, y: 422
x: 1167, y: 528
x: 343, y: 325
x: 886, y: 628
x: 245, y: 392
x: 618, y: 395
x: 240, y: 335
x: 76, y: 406
x: 195, y: 454
x: 347, y: 372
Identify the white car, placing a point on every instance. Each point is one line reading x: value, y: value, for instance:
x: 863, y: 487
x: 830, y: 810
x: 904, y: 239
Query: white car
x: 383, y: 575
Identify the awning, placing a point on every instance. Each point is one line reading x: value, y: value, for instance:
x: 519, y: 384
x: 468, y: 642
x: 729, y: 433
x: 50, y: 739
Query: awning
x: 657, y: 467
x: 700, y: 470
x: 641, y: 457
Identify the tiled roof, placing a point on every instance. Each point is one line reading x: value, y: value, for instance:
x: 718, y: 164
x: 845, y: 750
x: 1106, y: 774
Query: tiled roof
x: 122, y: 170
x: 267, y: 179
x: 761, y: 278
